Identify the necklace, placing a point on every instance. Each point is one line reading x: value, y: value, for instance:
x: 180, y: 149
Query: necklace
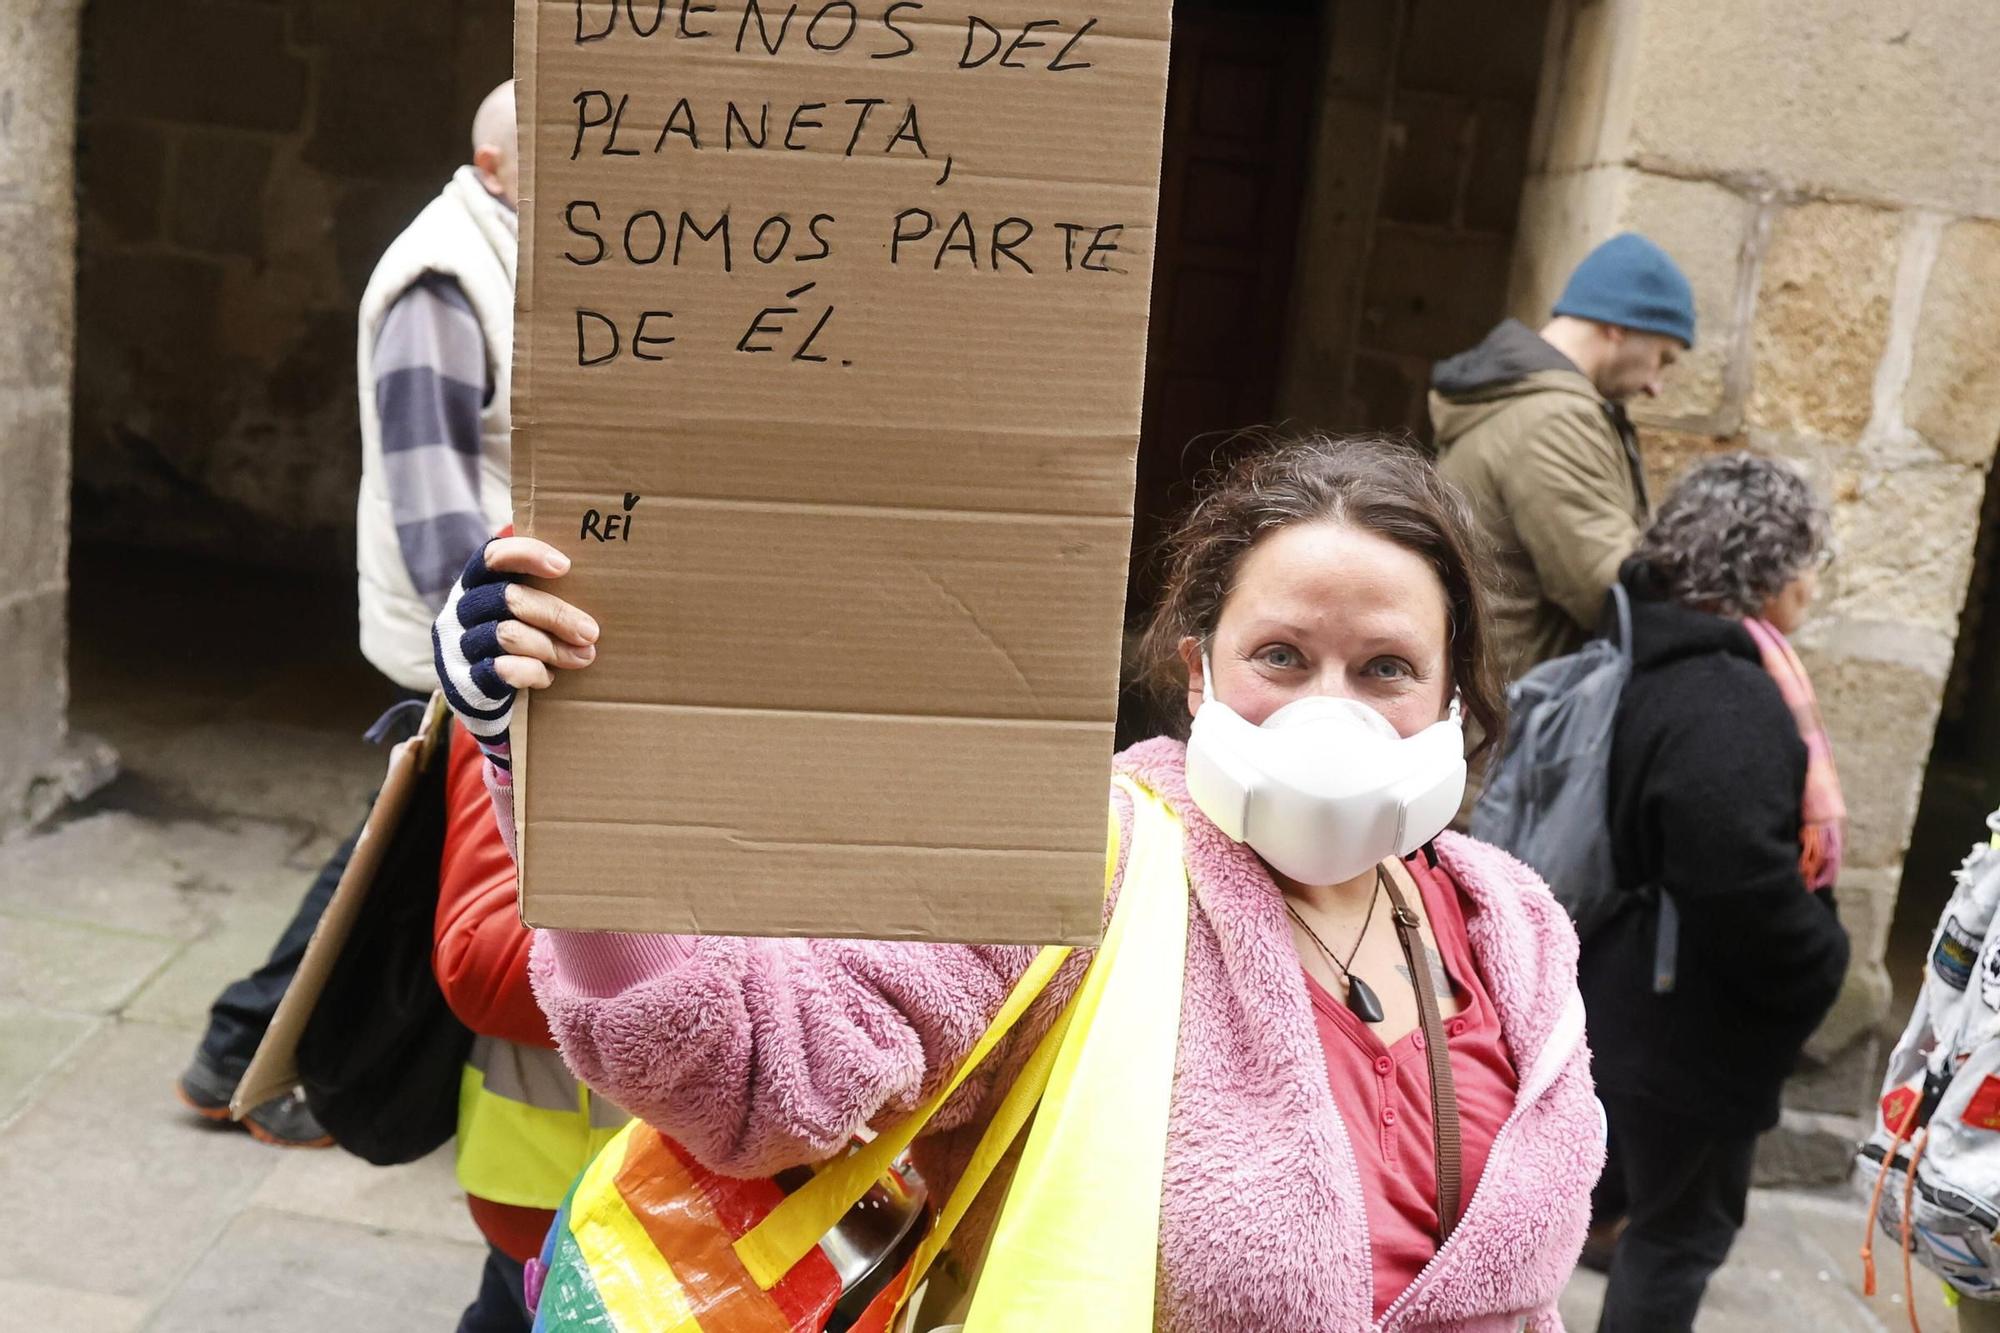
x: 1361, y: 997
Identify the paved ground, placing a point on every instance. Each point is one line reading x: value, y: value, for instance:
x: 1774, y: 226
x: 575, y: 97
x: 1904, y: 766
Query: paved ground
x: 122, y: 1212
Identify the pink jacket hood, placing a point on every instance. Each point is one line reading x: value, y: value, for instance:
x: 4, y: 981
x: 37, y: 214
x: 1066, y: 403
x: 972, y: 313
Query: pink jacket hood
x: 759, y: 1053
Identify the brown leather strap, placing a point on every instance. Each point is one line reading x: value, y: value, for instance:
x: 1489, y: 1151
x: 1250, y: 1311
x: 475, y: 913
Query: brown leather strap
x: 1444, y: 1097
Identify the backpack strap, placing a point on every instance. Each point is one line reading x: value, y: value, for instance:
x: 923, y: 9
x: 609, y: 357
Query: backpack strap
x: 1622, y: 601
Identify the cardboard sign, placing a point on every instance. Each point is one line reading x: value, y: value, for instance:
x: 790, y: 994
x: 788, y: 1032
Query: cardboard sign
x: 831, y: 337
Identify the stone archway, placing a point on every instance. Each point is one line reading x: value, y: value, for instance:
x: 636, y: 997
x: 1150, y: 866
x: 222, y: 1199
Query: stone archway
x: 41, y: 765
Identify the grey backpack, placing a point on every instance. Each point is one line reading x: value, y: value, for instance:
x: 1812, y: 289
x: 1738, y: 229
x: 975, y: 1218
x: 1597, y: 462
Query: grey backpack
x: 1548, y: 796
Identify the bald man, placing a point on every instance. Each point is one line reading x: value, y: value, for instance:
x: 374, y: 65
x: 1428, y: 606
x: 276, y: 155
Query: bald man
x: 436, y: 345
x: 435, y: 355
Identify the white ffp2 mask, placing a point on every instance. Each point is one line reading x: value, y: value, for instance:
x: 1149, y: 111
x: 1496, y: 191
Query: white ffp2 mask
x: 1325, y: 788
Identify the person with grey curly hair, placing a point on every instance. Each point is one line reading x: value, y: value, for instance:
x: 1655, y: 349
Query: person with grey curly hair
x: 1738, y: 534
x: 1725, y: 816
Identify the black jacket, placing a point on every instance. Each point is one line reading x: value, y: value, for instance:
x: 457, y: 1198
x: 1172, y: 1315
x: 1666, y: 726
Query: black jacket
x: 1707, y: 777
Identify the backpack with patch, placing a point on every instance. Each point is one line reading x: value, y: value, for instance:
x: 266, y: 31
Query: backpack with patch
x: 1930, y: 1166
x: 1548, y: 796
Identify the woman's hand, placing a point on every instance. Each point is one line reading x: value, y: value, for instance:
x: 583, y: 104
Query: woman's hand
x: 497, y: 636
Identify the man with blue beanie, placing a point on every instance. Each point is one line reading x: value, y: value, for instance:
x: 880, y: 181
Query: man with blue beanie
x: 1531, y: 427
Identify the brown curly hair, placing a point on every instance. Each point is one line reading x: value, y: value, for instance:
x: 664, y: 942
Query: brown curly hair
x: 1372, y: 483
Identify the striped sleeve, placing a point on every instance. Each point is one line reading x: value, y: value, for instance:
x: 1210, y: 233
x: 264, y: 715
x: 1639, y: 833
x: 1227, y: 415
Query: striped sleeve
x: 431, y: 384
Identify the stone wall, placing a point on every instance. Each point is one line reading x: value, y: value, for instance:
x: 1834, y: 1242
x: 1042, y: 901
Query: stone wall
x: 40, y: 764
x: 1411, y: 200
x: 243, y: 162
x: 1829, y: 177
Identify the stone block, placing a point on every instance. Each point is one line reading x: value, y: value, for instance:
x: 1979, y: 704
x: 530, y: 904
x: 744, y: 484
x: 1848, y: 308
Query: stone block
x: 38, y: 337
x: 1499, y: 167
x: 1707, y: 229
x: 82, y: 1311
x: 33, y: 1044
x: 357, y: 1277
x: 1903, y: 541
x: 387, y: 116
x: 1562, y: 217
x: 179, y: 993
x: 159, y: 62
x: 157, y: 309
x: 1887, y: 102
x: 352, y: 27
x: 1822, y: 318
x: 1840, y: 1058
x: 217, y: 204
x: 1358, y: 48
x: 123, y: 186
x: 1879, y: 713
x: 1668, y: 454
x: 1844, y: 1083
x: 1337, y: 216
x: 34, y: 480
x: 1471, y: 47
x: 1953, y: 395
x: 261, y: 312
x: 1430, y: 139
x: 1431, y: 293
x: 1868, y: 897
x: 155, y: 1203
x: 483, y: 52
x: 420, y: 1199
x: 1793, y: 1268
x: 170, y: 880
x: 316, y: 370
x: 154, y: 396
x: 1387, y: 394
x: 366, y: 218
x: 1584, y: 106
x: 38, y: 68
x: 76, y: 968
x: 32, y: 648
x: 1808, y: 1149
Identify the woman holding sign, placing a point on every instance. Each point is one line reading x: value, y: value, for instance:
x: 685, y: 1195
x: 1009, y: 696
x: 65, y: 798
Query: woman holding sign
x: 1377, y: 1102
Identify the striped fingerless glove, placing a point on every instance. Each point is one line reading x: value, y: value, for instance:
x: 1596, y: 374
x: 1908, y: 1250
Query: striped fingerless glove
x: 465, y: 641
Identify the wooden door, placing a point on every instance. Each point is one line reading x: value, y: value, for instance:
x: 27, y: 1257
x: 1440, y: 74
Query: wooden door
x: 1239, y: 103
x: 1239, y: 108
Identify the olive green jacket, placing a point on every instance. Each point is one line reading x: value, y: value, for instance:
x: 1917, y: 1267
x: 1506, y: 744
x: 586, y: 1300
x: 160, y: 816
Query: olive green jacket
x: 1551, y: 470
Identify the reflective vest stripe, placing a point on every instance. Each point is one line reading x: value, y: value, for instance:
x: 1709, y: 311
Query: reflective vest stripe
x: 526, y: 1127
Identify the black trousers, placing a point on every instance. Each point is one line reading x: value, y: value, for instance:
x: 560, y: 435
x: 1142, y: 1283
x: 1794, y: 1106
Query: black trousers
x: 1680, y: 1186
x: 502, y: 1304
x: 238, y: 1018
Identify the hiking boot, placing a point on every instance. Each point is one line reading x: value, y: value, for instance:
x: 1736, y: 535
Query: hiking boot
x: 282, y: 1122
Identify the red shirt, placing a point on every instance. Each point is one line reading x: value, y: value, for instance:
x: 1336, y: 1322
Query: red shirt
x: 481, y: 957
x: 1383, y: 1094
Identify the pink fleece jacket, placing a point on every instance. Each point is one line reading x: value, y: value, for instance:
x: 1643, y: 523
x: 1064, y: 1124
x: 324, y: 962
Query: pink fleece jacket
x: 760, y: 1054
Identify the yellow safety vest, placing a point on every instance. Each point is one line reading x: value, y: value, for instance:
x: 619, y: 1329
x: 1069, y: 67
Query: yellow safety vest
x: 526, y: 1126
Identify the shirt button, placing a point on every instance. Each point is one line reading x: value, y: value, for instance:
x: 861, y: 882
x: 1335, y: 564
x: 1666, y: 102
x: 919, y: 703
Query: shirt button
x: 1457, y: 1027
x: 1389, y: 1116
x: 1384, y: 1065
x: 1417, y: 1040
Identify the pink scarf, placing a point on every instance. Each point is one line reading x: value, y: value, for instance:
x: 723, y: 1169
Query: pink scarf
x: 1823, y: 833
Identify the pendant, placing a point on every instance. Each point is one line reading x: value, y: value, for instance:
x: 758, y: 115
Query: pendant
x: 1362, y: 1000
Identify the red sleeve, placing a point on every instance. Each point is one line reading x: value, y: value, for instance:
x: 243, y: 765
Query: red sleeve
x: 481, y: 951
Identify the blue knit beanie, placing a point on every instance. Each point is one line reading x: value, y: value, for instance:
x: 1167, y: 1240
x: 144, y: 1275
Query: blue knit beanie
x: 1630, y: 282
